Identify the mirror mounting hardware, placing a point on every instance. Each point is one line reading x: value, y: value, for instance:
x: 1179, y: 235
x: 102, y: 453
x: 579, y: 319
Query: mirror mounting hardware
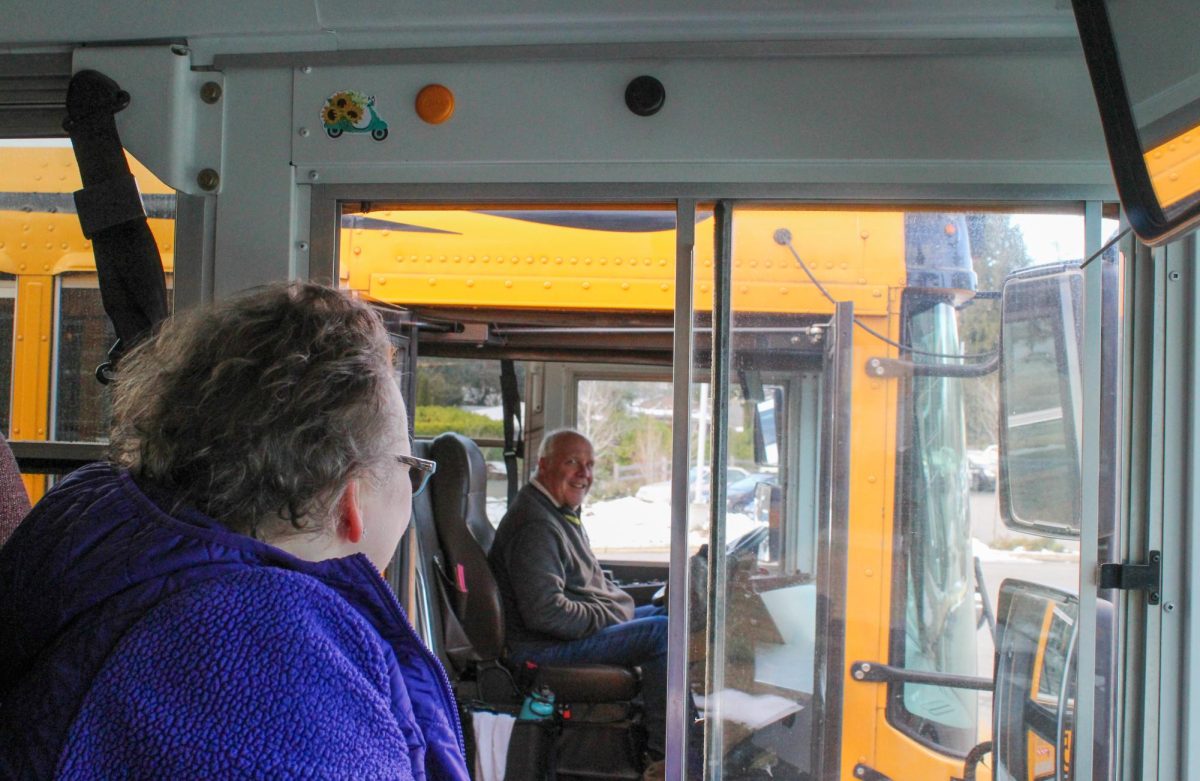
x: 877, y: 672
x: 1135, y: 577
x: 898, y: 367
x: 869, y: 773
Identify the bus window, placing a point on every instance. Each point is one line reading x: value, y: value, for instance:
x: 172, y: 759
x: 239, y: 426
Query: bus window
x: 463, y: 395
x: 82, y: 408
x: 52, y: 296
x: 628, y: 512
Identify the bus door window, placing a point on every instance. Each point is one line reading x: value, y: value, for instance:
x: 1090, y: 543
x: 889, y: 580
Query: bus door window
x: 953, y: 547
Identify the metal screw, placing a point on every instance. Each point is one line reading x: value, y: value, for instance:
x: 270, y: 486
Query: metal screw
x: 179, y: 50
x: 208, y: 179
x: 313, y: 176
x: 210, y: 92
x: 1173, y: 276
x: 302, y: 246
x: 306, y: 69
x: 1169, y: 607
x: 304, y: 132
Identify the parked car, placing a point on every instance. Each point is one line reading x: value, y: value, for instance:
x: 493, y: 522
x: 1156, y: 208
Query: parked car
x: 661, y: 492
x: 739, y: 496
x: 982, y: 465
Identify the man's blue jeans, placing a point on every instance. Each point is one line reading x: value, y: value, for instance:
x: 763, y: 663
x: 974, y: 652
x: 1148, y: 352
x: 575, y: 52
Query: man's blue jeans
x: 641, y: 642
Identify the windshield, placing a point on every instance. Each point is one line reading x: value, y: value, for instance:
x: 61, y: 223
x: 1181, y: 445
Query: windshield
x: 939, y: 610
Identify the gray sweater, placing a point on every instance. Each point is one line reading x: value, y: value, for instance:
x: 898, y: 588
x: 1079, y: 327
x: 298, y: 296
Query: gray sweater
x: 551, y: 585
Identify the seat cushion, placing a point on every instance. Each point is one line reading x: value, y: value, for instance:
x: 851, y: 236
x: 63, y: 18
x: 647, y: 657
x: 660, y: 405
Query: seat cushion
x: 588, y: 682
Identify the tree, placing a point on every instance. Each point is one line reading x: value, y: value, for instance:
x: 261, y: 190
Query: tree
x: 997, y: 249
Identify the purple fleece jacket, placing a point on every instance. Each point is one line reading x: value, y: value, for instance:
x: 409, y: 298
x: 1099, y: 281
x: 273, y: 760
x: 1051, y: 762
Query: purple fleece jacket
x: 140, y: 644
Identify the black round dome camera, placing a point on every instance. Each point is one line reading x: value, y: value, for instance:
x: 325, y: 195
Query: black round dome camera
x: 645, y: 95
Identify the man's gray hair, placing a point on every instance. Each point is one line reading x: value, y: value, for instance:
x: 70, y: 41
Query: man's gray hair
x: 551, y: 440
x: 257, y: 410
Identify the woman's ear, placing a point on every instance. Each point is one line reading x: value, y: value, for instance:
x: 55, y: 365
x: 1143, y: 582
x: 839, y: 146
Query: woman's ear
x: 350, y: 520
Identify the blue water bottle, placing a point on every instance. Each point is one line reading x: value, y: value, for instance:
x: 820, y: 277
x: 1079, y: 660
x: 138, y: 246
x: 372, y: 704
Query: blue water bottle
x: 531, y: 748
x: 539, y: 705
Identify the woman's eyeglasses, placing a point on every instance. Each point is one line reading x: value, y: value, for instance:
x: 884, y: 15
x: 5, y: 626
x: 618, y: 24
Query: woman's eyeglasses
x: 419, y: 471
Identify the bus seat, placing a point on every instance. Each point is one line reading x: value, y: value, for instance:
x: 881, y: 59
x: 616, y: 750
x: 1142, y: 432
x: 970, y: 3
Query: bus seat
x: 464, y: 498
x: 458, y: 493
x: 14, y: 501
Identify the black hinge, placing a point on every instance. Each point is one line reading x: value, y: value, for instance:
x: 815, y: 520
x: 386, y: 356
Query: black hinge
x: 869, y: 774
x: 1135, y: 577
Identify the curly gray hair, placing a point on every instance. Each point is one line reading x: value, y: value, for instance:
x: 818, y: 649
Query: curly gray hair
x: 257, y: 410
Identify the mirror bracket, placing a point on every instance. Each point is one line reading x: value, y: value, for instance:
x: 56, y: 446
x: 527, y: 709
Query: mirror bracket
x: 898, y: 367
x: 867, y: 773
x: 1135, y: 577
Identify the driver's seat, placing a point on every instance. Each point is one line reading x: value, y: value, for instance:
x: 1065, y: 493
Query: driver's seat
x: 459, y: 510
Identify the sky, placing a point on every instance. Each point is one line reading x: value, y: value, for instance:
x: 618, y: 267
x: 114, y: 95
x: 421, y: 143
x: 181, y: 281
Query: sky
x: 1052, y: 237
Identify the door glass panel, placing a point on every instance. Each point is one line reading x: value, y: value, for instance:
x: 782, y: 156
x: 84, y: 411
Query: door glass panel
x: 926, y: 548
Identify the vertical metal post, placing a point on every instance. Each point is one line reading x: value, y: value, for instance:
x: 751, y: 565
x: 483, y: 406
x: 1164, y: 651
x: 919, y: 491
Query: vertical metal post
x: 677, y: 623
x: 720, y: 356
x: 1089, y: 535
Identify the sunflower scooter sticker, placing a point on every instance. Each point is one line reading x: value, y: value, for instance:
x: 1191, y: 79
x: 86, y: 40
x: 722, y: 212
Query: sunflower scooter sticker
x: 352, y: 112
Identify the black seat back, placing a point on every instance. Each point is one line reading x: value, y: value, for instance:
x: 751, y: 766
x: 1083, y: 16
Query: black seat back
x: 459, y: 494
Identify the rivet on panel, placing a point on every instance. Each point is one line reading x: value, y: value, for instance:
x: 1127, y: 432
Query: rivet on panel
x: 587, y: 285
x: 508, y: 283
x: 877, y: 293
x: 870, y: 478
x: 664, y: 287
x: 210, y: 92
x: 624, y: 285
x: 547, y: 285
x: 470, y: 283
x: 358, y: 250
x: 432, y: 282
x: 870, y: 573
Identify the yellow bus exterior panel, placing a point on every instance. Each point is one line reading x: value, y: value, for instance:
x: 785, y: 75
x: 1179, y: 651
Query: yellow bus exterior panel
x: 544, y: 292
x: 1174, y: 167
x: 31, y: 366
x: 464, y: 258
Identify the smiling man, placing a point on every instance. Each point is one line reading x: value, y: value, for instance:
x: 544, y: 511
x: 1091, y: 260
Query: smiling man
x: 559, y: 606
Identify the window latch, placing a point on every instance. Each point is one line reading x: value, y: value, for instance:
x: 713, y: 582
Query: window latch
x: 1135, y: 577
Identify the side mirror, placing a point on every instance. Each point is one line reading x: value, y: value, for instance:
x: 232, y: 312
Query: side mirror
x: 1146, y: 76
x: 1041, y: 400
x: 767, y: 413
x: 1032, y: 706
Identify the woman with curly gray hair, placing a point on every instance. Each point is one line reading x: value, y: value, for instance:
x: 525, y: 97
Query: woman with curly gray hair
x: 210, y: 603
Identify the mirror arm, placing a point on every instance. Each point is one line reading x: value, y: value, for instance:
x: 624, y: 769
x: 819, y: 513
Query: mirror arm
x: 898, y: 367
x: 877, y: 672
